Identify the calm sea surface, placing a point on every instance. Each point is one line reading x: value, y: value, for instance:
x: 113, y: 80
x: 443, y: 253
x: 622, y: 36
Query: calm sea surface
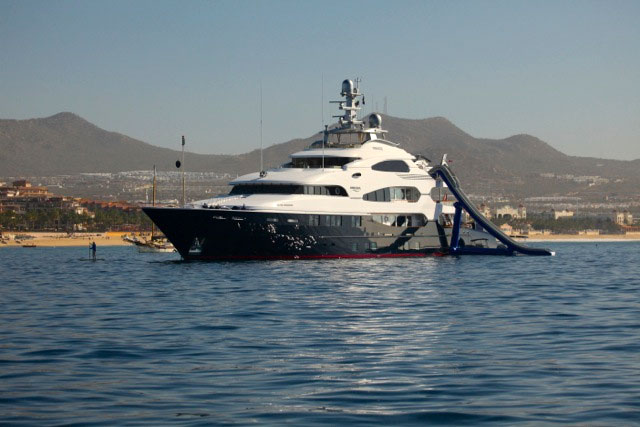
x: 143, y: 338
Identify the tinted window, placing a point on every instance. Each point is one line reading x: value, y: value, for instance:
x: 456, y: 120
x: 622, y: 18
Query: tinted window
x: 414, y: 220
x: 317, y: 162
x: 333, y: 220
x: 331, y: 190
x: 391, y: 166
x: 388, y: 194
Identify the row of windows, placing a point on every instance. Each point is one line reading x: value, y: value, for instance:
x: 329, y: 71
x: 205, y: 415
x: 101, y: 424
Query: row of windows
x: 364, y: 245
x: 356, y: 221
x: 400, y: 220
x: 338, y: 162
x: 328, y: 190
x: 335, y: 220
x: 373, y: 246
x: 389, y: 194
x: 318, y: 162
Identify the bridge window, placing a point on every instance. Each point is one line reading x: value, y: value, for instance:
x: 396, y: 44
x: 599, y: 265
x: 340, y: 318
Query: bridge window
x: 391, y: 166
x: 316, y: 162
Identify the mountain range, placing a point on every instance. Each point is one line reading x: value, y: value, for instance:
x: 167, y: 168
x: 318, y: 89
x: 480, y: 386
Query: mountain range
x: 66, y: 144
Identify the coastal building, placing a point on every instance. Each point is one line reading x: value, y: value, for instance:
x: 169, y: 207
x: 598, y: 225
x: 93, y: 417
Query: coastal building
x: 622, y: 217
x: 485, y: 210
x: 507, y: 211
x: 617, y: 217
x: 628, y: 218
x: 22, y: 198
x: 556, y: 214
x: 24, y: 188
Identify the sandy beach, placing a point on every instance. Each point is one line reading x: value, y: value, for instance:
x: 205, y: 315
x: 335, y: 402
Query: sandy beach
x: 52, y: 239
x: 629, y: 237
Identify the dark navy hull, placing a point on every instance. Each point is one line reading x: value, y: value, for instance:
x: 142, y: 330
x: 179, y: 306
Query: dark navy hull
x: 214, y: 234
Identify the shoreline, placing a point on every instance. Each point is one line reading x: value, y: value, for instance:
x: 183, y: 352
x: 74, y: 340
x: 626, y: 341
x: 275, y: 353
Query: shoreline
x: 630, y: 237
x: 54, y: 239
x: 113, y: 238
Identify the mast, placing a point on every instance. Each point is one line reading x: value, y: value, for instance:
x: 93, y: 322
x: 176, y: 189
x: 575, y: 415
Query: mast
x: 348, y: 123
x: 183, y: 201
x: 153, y: 200
x: 261, y: 157
x: 349, y: 120
x: 324, y: 136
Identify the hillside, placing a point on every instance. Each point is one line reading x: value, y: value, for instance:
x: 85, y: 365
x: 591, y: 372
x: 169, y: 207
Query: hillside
x: 67, y: 144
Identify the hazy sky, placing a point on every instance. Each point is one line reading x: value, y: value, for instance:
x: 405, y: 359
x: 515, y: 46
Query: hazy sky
x: 567, y: 72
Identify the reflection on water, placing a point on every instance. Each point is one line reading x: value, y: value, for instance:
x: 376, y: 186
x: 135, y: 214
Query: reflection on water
x: 146, y: 338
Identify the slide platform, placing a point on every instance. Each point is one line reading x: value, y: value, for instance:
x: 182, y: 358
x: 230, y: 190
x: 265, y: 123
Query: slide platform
x: 511, y: 246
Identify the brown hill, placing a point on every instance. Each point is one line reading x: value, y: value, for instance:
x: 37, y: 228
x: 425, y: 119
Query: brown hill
x: 67, y: 144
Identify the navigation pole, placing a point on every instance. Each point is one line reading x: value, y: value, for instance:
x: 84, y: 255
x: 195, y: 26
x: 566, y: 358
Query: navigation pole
x: 153, y: 201
x: 183, y: 201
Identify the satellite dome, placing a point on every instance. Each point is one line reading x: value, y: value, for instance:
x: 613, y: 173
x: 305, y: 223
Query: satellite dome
x: 375, y: 121
x: 347, y: 87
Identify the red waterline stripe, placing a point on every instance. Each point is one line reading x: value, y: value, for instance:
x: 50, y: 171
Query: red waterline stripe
x: 293, y: 257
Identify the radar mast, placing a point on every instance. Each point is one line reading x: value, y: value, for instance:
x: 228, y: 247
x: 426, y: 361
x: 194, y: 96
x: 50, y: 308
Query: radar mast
x: 348, y: 123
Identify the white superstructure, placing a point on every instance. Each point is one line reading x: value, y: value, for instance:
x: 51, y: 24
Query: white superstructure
x: 350, y: 171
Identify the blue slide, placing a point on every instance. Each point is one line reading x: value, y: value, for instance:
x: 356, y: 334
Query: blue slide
x: 444, y: 172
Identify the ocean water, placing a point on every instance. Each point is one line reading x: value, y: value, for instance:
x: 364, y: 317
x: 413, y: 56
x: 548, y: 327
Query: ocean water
x: 146, y: 339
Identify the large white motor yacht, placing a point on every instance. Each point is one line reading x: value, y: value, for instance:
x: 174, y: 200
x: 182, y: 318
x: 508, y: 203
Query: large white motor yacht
x: 351, y: 194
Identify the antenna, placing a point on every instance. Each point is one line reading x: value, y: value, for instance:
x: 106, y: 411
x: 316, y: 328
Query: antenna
x: 153, y: 193
x: 261, y: 156
x: 322, y: 98
x: 153, y: 200
x: 325, y: 135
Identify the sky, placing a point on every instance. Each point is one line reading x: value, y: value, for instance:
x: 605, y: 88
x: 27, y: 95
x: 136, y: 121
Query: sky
x: 567, y: 72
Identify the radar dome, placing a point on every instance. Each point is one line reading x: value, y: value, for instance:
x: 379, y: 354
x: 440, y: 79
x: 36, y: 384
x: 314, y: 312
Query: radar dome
x: 347, y: 87
x: 375, y: 121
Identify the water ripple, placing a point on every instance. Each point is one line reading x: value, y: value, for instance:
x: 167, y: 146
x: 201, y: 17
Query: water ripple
x: 448, y: 341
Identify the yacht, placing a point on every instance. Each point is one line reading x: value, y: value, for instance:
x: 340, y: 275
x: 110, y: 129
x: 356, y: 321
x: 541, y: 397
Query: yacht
x: 353, y: 193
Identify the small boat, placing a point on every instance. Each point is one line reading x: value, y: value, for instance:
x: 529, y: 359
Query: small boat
x: 157, y: 243
x: 29, y: 245
x: 130, y: 239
